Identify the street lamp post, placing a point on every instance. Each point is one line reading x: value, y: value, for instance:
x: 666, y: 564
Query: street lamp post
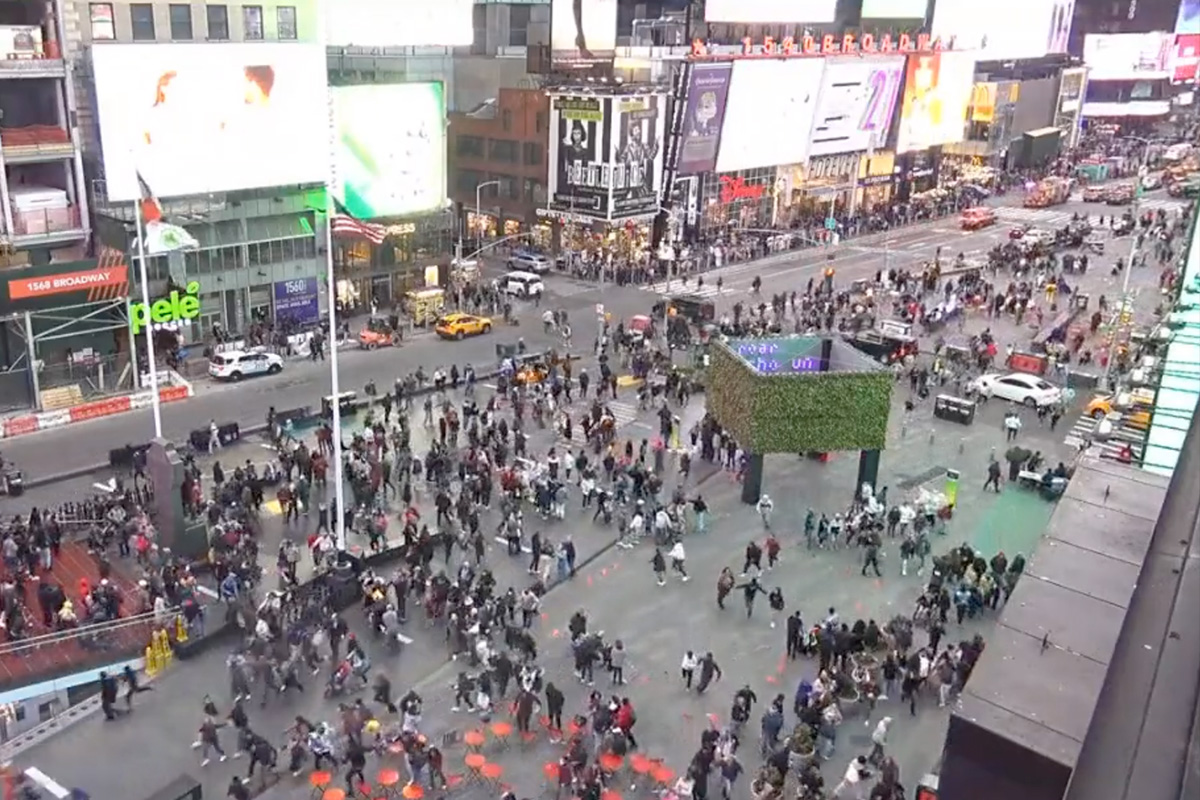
x: 478, y: 191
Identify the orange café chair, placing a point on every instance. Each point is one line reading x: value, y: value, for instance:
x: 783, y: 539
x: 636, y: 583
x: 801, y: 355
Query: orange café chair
x: 412, y: 791
x: 319, y: 781
x: 388, y: 780
x: 474, y: 740
x: 502, y: 730
x: 475, y: 763
x: 492, y: 773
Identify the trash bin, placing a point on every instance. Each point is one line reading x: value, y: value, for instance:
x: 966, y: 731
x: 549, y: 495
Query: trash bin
x: 954, y: 409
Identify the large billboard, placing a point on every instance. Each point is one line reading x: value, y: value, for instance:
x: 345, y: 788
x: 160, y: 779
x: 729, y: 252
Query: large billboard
x: 857, y: 103
x: 769, y: 116
x: 638, y: 130
x: 1128, y: 56
x: 580, y: 179
x: 1001, y: 31
x: 64, y: 284
x: 1060, y: 26
x: 582, y: 31
x: 937, y: 92
x: 222, y: 117
x: 752, y: 12
x: 894, y: 9
x: 390, y: 148
x: 708, y: 92
x: 1188, y: 19
x: 1185, y: 58
x: 400, y: 23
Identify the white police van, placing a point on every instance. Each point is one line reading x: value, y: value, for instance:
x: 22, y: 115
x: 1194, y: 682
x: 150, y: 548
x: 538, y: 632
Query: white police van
x: 233, y: 365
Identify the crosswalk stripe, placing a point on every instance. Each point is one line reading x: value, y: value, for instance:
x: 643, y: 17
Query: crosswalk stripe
x: 709, y: 289
x: 623, y: 414
x: 1080, y: 431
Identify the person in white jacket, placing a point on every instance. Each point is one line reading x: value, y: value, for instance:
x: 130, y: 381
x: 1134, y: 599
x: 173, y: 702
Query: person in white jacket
x: 765, y: 507
x: 678, y: 557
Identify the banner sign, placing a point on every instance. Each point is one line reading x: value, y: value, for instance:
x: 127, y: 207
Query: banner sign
x: 708, y: 91
x: 580, y: 179
x: 297, y: 300
x: 637, y: 141
x: 65, y: 284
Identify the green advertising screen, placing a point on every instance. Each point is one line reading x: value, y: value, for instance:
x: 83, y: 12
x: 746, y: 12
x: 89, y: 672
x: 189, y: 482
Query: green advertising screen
x: 390, y: 151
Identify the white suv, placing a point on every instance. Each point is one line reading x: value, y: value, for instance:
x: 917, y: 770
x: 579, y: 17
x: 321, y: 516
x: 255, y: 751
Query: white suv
x: 237, y: 364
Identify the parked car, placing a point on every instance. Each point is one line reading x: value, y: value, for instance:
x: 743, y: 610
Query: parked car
x: 1017, y: 387
x: 1094, y: 194
x: 234, y: 365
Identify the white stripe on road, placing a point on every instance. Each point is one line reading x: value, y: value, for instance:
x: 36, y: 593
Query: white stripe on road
x: 46, y: 782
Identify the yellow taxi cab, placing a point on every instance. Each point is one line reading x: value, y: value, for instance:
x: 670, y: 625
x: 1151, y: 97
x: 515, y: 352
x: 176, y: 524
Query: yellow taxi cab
x: 458, y: 325
x: 1103, y: 405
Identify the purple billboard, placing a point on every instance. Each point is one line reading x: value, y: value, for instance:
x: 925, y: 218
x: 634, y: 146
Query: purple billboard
x: 708, y: 90
x: 297, y: 300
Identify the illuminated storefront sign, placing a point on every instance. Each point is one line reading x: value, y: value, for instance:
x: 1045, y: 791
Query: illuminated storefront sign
x: 736, y: 188
x: 826, y: 45
x: 833, y: 167
x: 166, y: 311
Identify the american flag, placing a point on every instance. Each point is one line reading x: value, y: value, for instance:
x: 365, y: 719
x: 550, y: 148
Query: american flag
x: 344, y: 225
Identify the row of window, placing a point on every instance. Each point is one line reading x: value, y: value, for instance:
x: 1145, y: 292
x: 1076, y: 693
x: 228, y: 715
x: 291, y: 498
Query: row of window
x: 504, y: 186
x: 506, y: 150
x: 221, y: 259
x: 142, y: 26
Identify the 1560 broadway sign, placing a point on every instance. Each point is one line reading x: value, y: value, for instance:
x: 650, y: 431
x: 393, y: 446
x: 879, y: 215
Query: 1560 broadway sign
x: 168, y: 310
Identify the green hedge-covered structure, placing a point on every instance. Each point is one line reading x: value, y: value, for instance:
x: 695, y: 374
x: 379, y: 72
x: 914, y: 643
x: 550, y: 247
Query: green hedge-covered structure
x: 796, y: 394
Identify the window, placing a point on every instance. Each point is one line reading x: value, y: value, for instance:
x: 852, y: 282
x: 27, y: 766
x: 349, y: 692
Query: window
x: 181, y: 22
x: 252, y: 23
x: 469, y: 146
x: 285, y: 22
x: 506, y: 119
x: 532, y: 153
x: 502, y: 150
x: 218, y: 23
x: 103, y: 27
x: 141, y: 19
x: 508, y: 187
x: 518, y: 25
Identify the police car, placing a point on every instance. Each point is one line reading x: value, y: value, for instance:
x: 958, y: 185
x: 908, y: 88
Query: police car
x: 233, y: 365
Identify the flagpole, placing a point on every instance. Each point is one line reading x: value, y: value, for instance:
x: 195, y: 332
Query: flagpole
x: 338, y: 478
x: 155, y: 401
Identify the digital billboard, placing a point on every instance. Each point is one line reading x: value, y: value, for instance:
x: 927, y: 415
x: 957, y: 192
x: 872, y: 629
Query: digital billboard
x: 400, y: 23
x: 1128, y: 56
x: 770, y: 113
x: 1188, y: 19
x: 752, y: 12
x: 1060, y: 26
x: 582, y: 31
x: 1185, y: 58
x: 223, y: 117
x: 708, y: 92
x: 856, y: 105
x: 580, y: 179
x: 937, y: 92
x: 638, y: 129
x: 894, y: 9
x: 390, y: 148
x: 1000, y: 31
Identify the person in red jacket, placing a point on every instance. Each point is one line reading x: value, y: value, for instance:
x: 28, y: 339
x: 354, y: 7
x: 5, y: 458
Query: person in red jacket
x: 626, y: 717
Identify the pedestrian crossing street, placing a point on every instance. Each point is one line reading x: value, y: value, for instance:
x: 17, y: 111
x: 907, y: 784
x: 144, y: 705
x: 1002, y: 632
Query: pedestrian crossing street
x: 623, y: 414
x: 1082, y: 431
x: 709, y: 289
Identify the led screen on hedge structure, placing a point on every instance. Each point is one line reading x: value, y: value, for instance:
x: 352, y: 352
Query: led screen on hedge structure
x: 788, y: 396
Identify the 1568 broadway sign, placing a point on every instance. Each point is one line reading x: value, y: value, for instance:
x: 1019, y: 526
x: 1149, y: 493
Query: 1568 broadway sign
x: 169, y: 310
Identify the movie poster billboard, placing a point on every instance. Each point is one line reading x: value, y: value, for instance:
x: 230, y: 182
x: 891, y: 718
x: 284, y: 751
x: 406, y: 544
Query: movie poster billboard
x: 638, y: 123
x: 580, y: 179
x: 708, y: 89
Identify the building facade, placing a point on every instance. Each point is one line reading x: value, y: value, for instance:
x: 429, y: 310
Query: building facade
x: 497, y: 165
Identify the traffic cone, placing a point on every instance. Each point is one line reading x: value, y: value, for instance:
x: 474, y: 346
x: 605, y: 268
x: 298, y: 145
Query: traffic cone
x: 164, y: 648
x: 181, y: 634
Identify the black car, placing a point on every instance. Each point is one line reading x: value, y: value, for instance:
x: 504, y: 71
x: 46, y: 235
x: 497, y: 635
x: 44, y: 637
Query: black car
x: 884, y: 347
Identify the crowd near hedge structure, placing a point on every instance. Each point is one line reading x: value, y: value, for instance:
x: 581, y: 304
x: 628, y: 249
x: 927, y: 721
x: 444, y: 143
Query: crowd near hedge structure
x: 799, y: 394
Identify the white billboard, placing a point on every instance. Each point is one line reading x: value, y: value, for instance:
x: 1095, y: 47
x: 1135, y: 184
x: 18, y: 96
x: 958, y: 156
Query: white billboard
x: 400, y: 23
x: 191, y: 120
x: 583, y: 31
x: 390, y: 149
x: 769, y: 113
x: 894, y: 9
x: 999, y: 31
x: 857, y: 102
x: 753, y: 12
x: 1128, y: 56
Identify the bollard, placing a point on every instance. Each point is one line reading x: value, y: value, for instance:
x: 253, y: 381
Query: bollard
x: 931, y: 437
x: 151, y: 662
x: 181, y: 634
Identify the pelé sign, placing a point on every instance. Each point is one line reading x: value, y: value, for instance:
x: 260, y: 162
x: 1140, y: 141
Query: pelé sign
x: 826, y: 45
x: 168, y: 310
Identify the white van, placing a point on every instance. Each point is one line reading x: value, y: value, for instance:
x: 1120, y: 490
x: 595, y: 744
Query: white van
x: 522, y: 284
x: 234, y: 365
